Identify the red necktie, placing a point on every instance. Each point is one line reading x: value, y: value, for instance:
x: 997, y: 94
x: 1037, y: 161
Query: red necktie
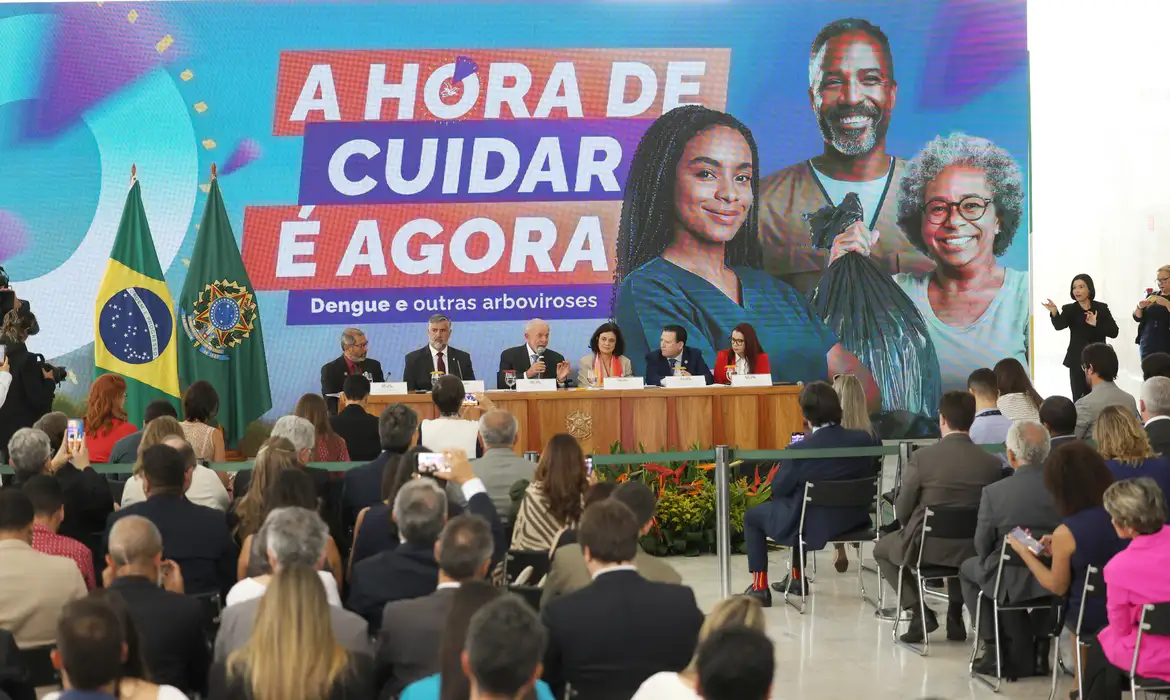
x: 439, y: 364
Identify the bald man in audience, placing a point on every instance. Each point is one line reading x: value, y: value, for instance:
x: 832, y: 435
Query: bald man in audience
x: 171, y: 625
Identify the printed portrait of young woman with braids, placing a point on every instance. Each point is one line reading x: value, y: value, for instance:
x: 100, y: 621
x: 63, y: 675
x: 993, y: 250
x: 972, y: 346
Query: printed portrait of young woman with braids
x: 688, y: 253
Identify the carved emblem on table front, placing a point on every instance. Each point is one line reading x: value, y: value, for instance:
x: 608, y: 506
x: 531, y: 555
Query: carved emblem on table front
x: 579, y: 424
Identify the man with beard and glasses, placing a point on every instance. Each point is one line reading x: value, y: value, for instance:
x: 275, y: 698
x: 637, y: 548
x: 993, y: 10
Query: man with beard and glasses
x: 852, y: 92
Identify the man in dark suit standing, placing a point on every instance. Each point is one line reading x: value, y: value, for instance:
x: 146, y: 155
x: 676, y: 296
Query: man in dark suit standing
x: 174, y: 641
x: 1017, y: 501
x: 437, y: 356
x: 1155, y: 407
x: 591, y: 632
x: 362, y: 486
x: 949, y: 474
x: 780, y: 517
x: 1058, y: 415
x: 353, y: 360
x: 408, y: 645
x: 534, y: 360
x: 672, y: 354
x: 357, y: 426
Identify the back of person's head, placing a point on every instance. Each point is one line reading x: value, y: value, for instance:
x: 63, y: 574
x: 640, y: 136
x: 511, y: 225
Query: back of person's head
x: 134, y: 541
x: 90, y: 645
x: 105, y: 403
x: 1100, y: 358
x: 598, y: 492
x: 1120, y: 436
x: 1012, y: 378
x: 299, y: 431
x: 397, y: 427
x: 736, y: 611
x: 562, y: 477
x: 504, y: 647
x: 1076, y: 476
x: 464, y: 549
x: 133, y: 661
x: 16, y: 512
x: 1156, y: 396
x: 1156, y: 364
x: 356, y: 388
x: 639, y: 499
x: 28, y: 452
x: 190, y: 461
x: 157, y: 409
x: 736, y: 663
x: 498, y: 428
x: 276, y: 455
x: 293, y: 653
x: 1136, y: 504
x: 400, y: 470
x: 200, y: 402
x: 312, y: 407
x: 1059, y: 415
x: 155, y: 433
x: 296, y: 536
x: 164, y: 470
x: 292, y: 487
x: 1028, y: 441
x: 983, y: 384
x: 854, y: 411
x: 608, y: 533
x: 468, y: 599
x: 819, y: 404
x: 46, y: 495
x: 448, y: 394
x: 420, y: 511
x: 53, y: 424
x: 957, y: 408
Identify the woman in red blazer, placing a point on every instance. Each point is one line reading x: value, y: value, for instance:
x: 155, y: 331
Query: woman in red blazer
x: 745, y: 354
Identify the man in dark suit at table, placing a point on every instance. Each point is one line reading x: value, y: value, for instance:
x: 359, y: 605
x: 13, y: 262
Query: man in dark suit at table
x: 779, y: 518
x: 353, y: 360
x: 534, y: 360
x: 1155, y: 407
x: 673, y: 353
x: 437, y: 356
x: 357, y: 426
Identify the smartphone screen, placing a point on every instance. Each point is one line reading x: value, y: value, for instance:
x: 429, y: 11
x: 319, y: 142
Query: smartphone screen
x: 470, y: 400
x: 74, y: 429
x: 433, y: 463
x: 589, y: 465
x: 796, y: 437
x: 1028, y: 541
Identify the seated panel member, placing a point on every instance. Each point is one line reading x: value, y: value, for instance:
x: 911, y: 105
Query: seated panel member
x: 745, y: 354
x: 436, y: 356
x: 353, y: 360
x: 606, y: 359
x: 673, y: 353
x: 534, y: 360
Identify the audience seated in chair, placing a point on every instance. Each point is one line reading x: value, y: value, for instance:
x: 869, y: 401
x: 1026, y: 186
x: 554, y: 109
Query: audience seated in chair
x: 1126, y: 448
x: 33, y: 586
x: 780, y: 517
x: 1133, y: 578
x: 1100, y: 364
x: 606, y: 639
x: 300, y: 532
x: 88, y: 501
x: 990, y: 425
x: 568, y: 535
x: 49, y: 506
x: 501, y: 657
x: 569, y: 572
x: 1058, y: 415
x: 296, y: 537
x: 554, y: 498
x: 1155, y: 408
x: 736, y: 611
x: 1020, y: 500
x: 125, y: 451
x: 357, y: 426
x: 500, y: 467
x: 950, y: 474
x: 397, y: 430
x: 206, y: 487
x: 170, y: 624
x: 409, y: 641
x: 451, y: 430
x: 292, y: 651
x: 736, y: 663
x: 303, y: 437
x: 194, y: 536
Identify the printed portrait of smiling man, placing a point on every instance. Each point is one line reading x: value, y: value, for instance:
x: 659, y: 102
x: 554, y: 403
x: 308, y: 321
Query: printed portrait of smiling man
x: 852, y: 93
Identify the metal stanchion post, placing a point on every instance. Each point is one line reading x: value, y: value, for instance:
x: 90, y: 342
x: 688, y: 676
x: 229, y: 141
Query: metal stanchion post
x: 723, y: 517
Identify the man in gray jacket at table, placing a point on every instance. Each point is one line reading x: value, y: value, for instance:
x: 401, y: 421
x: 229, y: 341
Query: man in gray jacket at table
x: 500, y: 467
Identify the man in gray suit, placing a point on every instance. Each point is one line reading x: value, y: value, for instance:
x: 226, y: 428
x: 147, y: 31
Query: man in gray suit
x: 950, y: 474
x: 408, y: 643
x: 500, y: 467
x: 1099, y: 362
x: 1156, y: 413
x: 295, y: 536
x: 1017, y: 501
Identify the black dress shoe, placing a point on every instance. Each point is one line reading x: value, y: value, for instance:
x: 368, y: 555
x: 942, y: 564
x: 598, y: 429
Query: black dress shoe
x: 985, y: 665
x: 916, y: 634
x: 762, y: 595
x: 792, y: 586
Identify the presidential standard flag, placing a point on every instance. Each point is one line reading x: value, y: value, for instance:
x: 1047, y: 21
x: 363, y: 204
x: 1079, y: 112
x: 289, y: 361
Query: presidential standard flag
x: 217, y: 309
x: 134, y: 329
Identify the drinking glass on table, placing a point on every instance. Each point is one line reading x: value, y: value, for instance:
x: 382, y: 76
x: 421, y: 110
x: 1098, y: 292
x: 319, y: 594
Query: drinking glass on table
x: 730, y: 370
x: 510, y: 378
x: 435, y: 377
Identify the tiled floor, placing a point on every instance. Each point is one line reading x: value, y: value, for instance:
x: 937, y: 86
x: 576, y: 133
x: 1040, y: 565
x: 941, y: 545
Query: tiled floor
x: 838, y: 649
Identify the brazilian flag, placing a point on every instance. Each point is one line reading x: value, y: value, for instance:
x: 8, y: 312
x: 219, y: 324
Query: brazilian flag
x: 134, y: 327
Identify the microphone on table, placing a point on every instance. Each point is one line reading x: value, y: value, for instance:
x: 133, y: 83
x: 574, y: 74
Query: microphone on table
x: 458, y: 369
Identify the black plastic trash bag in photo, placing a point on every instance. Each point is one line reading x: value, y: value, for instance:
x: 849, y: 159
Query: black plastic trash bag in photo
x: 877, y: 322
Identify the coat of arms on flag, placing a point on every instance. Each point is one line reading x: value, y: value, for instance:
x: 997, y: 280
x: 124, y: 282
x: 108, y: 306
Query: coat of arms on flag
x: 222, y: 317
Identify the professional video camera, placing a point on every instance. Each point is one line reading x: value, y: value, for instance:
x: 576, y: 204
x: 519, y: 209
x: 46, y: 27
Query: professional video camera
x: 28, y: 320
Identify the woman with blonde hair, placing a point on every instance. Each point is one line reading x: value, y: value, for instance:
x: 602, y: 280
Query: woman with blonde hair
x: 330, y: 446
x: 854, y: 416
x: 293, y: 653
x: 1123, y: 442
x: 275, y: 455
x: 206, y: 487
x: 736, y: 611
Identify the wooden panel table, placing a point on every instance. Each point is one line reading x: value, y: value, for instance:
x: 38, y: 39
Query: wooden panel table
x: 749, y: 418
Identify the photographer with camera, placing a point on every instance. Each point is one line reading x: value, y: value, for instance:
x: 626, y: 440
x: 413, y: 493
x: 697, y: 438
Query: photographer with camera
x: 32, y: 382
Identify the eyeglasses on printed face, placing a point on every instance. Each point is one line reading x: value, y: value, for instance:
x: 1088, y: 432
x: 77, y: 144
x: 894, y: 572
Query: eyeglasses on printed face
x: 970, y: 208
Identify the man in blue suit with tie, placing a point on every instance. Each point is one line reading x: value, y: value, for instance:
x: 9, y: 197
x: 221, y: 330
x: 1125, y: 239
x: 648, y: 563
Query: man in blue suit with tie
x: 673, y: 353
x: 780, y: 517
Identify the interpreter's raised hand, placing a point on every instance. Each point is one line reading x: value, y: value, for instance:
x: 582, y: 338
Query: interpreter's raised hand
x: 1161, y: 301
x: 858, y: 238
x: 535, y: 370
x: 1051, y: 306
x: 1147, y: 302
x: 1091, y: 318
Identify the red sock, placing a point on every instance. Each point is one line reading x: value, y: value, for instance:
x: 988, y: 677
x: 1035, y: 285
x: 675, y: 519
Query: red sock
x: 795, y: 574
x: 760, y: 580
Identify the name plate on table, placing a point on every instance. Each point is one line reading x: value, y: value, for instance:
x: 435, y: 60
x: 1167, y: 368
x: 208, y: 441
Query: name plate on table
x: 684, y: 382
x: 473, y: 386
x: 623, y: 383
x: 536, y: 385
x: 751, y: 380
x: 387, y: 388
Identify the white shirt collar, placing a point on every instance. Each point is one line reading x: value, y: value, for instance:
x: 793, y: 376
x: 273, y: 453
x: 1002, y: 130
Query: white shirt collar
x: 610, y: 570
x: 1157, y: 418
x: 447, y: 584
x: 435, y: 355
